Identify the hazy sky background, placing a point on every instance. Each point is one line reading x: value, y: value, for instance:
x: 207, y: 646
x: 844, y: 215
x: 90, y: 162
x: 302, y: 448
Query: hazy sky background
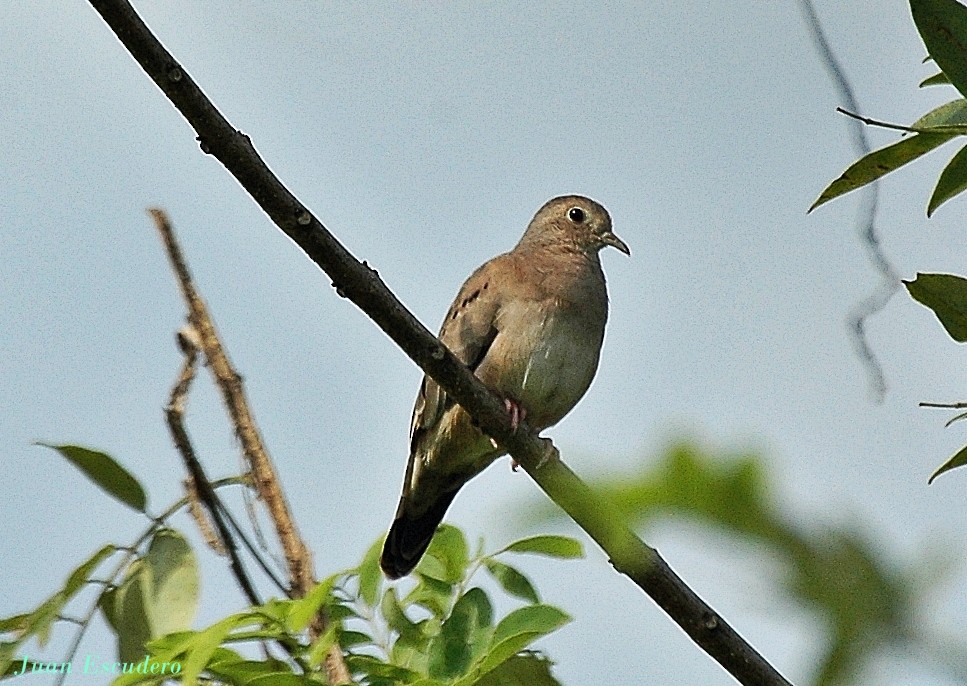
x: 425, y: 136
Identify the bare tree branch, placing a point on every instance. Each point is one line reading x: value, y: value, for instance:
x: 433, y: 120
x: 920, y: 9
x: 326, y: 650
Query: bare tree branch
x: 174, y: 413
x: 266, y: 482
x: 362, y: 285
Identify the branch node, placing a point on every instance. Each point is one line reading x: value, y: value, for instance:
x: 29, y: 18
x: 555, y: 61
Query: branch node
x: 302, y: 217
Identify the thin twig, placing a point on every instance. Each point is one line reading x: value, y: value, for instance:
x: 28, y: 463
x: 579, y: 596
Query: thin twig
x: 362, y: 286
x: 174, y: 413
x: 876, y: 122
x: 946, y: 129
x: 948, y: 406
x: 202, y: 520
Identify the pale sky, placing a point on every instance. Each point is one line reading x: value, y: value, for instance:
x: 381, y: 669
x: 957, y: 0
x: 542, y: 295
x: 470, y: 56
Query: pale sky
x: 425, y: 136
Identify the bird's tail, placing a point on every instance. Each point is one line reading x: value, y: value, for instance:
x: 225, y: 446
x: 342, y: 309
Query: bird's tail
x: 410, y: 535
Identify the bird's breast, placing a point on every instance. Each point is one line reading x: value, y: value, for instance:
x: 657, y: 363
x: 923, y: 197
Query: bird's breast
x: 544, y: 356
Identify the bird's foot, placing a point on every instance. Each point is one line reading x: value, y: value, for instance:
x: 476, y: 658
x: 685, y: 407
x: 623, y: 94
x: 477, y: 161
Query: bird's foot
x: 517, y: 413
x: 551, y: 453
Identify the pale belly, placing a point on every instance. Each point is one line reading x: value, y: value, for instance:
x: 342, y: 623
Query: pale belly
x: 549, y: 362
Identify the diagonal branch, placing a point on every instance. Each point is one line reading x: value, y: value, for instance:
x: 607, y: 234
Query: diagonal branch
x: 362, y: 285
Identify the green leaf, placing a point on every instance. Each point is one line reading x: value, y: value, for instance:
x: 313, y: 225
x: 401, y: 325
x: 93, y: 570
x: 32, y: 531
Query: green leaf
x: 7, y: 650
x: 42, y: 619
x: 101, y: 468
x: 370, y: 576
x: 172, y: 645
x: 879, y: 163
x: 304, y: 610
x: 935, y: 80
x: 951, y: 115
x: 451, y: 651
x: 174, y: 589
x: 943, y: 26
x: 231, y: 667
x: 515, y: 632
x: 397, y: 620
x: 139, y: 672
x: 432, y: 594
x: 542, y: 619
x: 80, y: 576
x: 15, y: 623
x: 205, y: 643
x: 518, y: 630
x: 527, y: 669
x: 958, y: 460
x: 375, y: 667
x: 512, y: 580
x: 128, y: 605
x: 31, y: 668
x: 282, y: 679
x: 318, y: 651
x: 946, y: 295
x: 552, y: 546
x: 952, y: 181
x: 449, y: 547
x: 349, y: 638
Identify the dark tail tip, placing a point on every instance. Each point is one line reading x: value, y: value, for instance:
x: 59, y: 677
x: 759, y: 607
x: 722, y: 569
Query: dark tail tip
x: 409, y: 537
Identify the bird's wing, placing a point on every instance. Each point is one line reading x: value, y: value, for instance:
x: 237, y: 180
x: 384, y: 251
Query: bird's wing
x: 468, y: 331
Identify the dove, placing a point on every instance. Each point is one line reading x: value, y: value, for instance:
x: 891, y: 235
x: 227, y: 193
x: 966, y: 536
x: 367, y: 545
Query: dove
x: 529, y: 324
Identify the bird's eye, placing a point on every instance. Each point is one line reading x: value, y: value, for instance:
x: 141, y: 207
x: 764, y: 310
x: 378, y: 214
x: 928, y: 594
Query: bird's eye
x: 576, y: 215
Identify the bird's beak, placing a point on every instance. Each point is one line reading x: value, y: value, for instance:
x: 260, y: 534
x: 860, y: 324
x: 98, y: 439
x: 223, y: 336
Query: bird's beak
x: 610, y: 239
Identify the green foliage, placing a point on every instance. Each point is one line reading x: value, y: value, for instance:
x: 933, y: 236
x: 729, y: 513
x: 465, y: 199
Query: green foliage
x: 932, y: 130
x: 943, y: 27
x: 442, y: 630
x: 158, y: 596
x: 19, y: 629
x: 868, y: 603
x: 106, y: 473
x: 946, y: 295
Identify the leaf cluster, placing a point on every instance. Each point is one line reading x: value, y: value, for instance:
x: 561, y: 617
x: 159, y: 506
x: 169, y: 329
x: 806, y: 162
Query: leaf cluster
x: 441, y: 631
x: 943, y: 26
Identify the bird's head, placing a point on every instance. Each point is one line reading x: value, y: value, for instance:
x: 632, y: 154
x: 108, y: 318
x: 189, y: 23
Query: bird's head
x: 574, y: 220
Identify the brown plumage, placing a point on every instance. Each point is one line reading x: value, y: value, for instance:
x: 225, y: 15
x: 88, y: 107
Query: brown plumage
x: 529, y: 323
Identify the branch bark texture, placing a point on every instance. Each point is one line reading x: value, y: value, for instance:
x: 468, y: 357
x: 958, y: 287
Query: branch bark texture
x: 361, y: 284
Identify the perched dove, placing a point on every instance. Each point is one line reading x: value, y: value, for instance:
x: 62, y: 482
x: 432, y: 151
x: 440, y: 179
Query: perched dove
x: 529, y: 323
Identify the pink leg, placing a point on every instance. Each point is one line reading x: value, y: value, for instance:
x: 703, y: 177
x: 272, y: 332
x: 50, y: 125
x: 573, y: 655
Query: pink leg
x: 517, y: 414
